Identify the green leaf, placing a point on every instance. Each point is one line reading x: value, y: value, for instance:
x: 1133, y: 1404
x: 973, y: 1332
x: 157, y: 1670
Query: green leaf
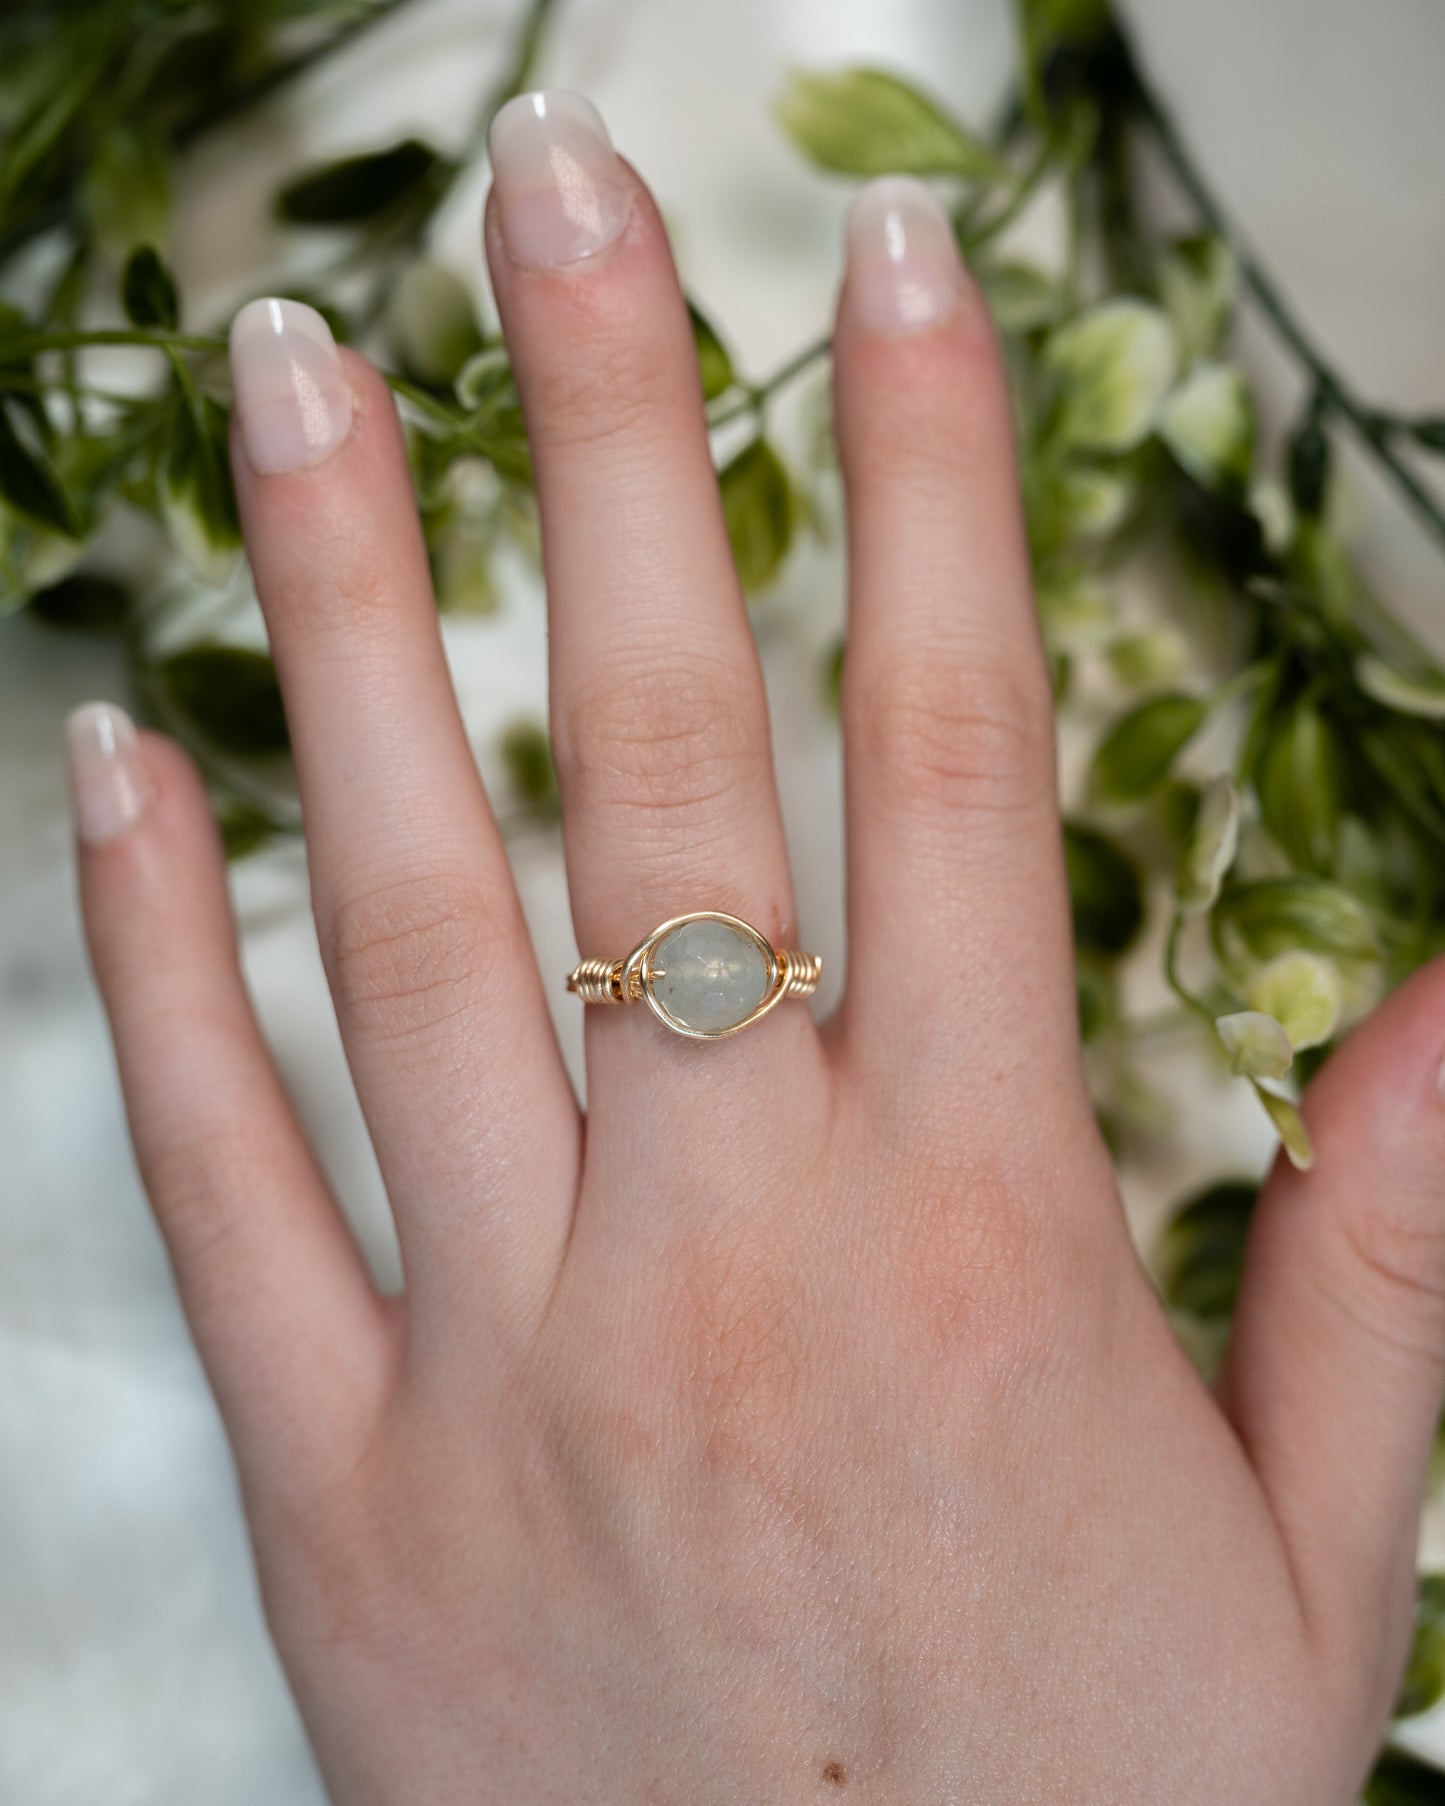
x: 1289, y: 1125
x: 462, y: 538
x: 866, y: 122
x: 1089, y: 502
x: 1079, y: 614
x: 1201, y: 1252
x: 1020, y: 297
x: 1405, y: 755
x: 198, y: 498
x: 85, y: 602
x: 714, y: 363
x: 1209, y: 424
x: 1255, y: 923
x: 244, y: 828
x: 757, y: 499
x: 1299, y: 785
x: 29, y: 485
x: 1149, y: 659
x: 1138, y: 752
x: 1097, y: 992
x: 1424, y: 1683
x: 1105, y: 891
x: 1211, y: 848
x: 1050, y: 23
x: 148, y: 290
x: 1319, y: 565
x: 433, y: 323
x: 1402, y: 1779
x: 1110, y: 368
x: 527, y: 755
x: 1309, y: 469
x: 1302, y: 992
x: 1272, y: 509
x: 230, y: 694
x: 1257, y: 1045
x: 1422, y: 695
x: 832, y: 675
x: 353, y: 189
x: 126, y: 191
x: 1198, y: 283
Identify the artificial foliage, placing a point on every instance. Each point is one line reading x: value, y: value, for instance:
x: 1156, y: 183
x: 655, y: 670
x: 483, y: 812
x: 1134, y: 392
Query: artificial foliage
x: 1262, y: 796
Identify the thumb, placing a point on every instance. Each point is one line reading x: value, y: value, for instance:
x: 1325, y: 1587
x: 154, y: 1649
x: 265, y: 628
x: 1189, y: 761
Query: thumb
x: 1335, y: 1370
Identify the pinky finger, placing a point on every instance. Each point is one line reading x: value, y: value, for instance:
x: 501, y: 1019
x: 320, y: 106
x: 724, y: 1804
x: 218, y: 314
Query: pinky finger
x: 294, y: 1337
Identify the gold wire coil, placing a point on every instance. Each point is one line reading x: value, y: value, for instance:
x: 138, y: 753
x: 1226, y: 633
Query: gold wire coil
x: 597, y: 980
x: 801, y: 972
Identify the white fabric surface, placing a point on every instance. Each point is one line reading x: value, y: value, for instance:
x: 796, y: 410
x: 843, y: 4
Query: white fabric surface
x: 133, y: 1663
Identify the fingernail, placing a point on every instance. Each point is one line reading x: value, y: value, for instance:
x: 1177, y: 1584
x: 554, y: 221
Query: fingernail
x: 292, y: 396
x: 904, y: 271
x: 108, y: 781
x: 562, y: 194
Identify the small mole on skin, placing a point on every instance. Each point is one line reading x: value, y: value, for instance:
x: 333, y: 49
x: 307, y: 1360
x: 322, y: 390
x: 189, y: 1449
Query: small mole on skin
x: 835, y: 1772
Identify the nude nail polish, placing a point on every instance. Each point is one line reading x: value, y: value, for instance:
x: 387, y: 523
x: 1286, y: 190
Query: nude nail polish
x: 292, y: 397
x: 108, y: 782
x: 562, y: 193
x: 904, y: 271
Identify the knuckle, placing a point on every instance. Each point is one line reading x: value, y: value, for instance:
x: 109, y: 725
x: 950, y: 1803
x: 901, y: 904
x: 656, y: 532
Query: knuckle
x: 663, y: 738
x: 194, y: 1181
x: 397, y: 953
x: 943, y: 734
x: 337, y: 591
x: 1393, y: 1285
x: 982, y: 1282
x: 609, y: 391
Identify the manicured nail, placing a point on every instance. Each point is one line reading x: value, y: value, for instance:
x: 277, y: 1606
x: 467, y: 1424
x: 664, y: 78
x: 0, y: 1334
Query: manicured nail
x: 562, y: 194
x: 108, y: 779
x: 904, y: 272
x: 292, y: 396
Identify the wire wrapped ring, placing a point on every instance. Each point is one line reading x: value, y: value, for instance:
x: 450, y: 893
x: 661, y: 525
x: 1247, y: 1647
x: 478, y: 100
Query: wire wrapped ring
x: 704, y: 975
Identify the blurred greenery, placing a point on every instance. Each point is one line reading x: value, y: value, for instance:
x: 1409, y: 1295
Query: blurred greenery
x: 1265, y: 781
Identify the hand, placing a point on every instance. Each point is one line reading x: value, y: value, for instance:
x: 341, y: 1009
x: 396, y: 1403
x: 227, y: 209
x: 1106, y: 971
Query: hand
x: 807, y: 1425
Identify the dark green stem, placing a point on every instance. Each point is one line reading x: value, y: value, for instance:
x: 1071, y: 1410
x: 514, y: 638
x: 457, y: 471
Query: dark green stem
x: 22, y: 345
x: 17, y: 346
x: 974, y: 237
x: 756, y: 396
x: 1330, y: 389
x: 1171, y: 972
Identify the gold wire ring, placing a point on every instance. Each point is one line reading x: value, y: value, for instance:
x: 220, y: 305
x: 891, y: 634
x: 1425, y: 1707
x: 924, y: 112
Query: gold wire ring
x: 705, y: 975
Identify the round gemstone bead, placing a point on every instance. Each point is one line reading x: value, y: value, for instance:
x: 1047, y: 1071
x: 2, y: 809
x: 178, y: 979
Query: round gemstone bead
x: 709, y: 976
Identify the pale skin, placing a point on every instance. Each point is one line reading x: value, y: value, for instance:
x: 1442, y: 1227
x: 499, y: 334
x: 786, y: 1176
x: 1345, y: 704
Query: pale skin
x: 801, y: 1422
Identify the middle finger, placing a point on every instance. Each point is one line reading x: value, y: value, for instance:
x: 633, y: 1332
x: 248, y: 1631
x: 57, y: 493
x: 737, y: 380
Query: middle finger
x: 659, y: 716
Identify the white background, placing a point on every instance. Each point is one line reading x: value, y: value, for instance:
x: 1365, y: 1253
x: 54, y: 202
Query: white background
x: 133, y: 1663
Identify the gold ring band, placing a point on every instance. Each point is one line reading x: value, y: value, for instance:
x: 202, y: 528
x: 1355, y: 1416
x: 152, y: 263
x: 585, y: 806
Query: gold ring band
x: 704, y: 975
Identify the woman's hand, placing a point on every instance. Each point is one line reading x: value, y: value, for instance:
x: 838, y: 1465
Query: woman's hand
x: 807, y: 1425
